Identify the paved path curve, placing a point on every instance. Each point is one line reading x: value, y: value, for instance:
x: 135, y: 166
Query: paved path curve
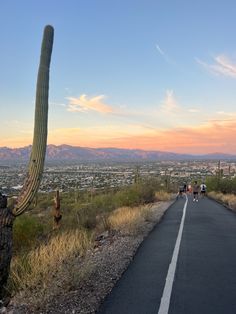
x: 205, y: 273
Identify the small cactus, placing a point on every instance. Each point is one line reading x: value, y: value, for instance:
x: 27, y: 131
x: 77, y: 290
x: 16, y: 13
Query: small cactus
x: 57, y: 216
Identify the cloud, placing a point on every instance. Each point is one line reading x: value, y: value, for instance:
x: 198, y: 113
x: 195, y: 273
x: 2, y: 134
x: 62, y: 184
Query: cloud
x: 222, y: 66
x: 57, y: 104
x: 160, y: 50
x: 169, y: 105
x: 165, y: 56
x: 193, y: 110
x: 226, y: 114
x: 84, y: 103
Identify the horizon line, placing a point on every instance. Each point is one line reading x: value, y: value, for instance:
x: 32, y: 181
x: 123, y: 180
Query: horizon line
x: 139, y: 149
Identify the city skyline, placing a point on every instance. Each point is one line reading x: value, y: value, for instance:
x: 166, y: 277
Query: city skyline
x: 152, y: 75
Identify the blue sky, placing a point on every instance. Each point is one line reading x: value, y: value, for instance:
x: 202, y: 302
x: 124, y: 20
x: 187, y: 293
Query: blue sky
x: 123, y: 73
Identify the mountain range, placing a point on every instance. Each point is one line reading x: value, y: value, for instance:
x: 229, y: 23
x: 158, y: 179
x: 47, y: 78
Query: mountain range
x: 76, y: 153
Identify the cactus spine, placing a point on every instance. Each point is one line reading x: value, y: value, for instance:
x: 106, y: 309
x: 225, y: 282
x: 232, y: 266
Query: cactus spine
x: 37, y: 157
x: 36, y: 163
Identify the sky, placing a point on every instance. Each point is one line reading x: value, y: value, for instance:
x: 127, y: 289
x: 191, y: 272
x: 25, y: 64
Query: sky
x: 152, y: 75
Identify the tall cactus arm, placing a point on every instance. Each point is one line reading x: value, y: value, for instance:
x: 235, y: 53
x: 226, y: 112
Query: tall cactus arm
x: 37, y: 157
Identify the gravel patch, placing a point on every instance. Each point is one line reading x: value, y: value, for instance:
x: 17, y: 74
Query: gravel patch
x: 85, y: 281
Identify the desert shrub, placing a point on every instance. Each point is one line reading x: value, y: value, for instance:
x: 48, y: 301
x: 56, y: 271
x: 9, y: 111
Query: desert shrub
x: 27, y: 231
x: 232, y: 202
x: 215, y: 195
x: 87, y: 217
x: 103, y: 202
x: 162, y: 196
x: 146, y: 192
x: 212, y: 184
x: 223, y: 185
x: 134, y: 195
x: 127, y: 219
x: 126, y: 197
x: 44, y: 204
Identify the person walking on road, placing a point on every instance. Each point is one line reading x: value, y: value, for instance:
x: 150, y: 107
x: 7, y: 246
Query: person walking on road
x: 203, y: 189
x: 189, y: 189
x: 195, y: 191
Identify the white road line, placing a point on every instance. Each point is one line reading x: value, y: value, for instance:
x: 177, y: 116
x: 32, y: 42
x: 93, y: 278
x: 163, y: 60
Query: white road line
x: 165, y: 299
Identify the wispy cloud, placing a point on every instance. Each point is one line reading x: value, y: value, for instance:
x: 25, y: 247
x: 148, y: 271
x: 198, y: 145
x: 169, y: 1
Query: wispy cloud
x: 193, y: 110
x: 57, y: 104
x: 164, y: 55
x: 84, y: 103
x: 222, y: 66
x: 169, y: 105
x: 160, y: 50
x: 227, y: 114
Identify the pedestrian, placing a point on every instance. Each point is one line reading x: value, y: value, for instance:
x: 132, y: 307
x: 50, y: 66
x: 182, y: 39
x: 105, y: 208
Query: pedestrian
x: 195, y: 191
x: 185, y: 187
x: 189, y: 188
x: 181, y: 191
x: 203, y: 189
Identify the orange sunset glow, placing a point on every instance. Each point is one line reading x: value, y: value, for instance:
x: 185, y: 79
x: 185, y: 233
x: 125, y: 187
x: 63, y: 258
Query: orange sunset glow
x: 209, y: 138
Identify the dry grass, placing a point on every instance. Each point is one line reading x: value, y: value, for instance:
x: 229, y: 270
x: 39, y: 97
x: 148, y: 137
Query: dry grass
x: 228, y: 199
x: 128, y: 219
x: 162, y: 196
x: 215, y: 195
x: 53, y: 264
x: 38, y: 267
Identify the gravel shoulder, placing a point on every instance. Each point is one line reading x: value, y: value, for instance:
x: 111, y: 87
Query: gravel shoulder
x: 85, y: 281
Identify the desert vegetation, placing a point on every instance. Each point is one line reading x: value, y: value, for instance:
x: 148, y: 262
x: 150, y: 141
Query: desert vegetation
x: 40, y: 254
x: 227, y: 199
x: 223, y: 185
x: 222, y: 190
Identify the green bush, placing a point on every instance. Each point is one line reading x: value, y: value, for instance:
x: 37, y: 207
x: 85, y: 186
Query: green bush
x: 127, y: 197
x: 27, y: 232
x: 134, y: 195
x: 223, y: 185
x: 87, y: 217
x: 103, y: 202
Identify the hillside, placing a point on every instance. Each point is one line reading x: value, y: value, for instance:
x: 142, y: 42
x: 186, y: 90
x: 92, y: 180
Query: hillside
x: 76, y: 153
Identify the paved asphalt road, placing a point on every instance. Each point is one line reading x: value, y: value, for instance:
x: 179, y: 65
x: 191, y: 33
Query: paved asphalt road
x: 205, y: 274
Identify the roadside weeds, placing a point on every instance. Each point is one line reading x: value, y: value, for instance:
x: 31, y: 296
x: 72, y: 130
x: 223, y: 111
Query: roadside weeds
x: 82, y: 281
x: 228, y: 200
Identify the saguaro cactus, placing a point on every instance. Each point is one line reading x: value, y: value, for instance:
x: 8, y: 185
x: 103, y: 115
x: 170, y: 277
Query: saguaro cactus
x: 37, y: 157
x: 36, y: 163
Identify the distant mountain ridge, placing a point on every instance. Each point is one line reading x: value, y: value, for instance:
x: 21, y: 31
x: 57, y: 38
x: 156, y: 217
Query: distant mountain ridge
x: 76, y: 153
